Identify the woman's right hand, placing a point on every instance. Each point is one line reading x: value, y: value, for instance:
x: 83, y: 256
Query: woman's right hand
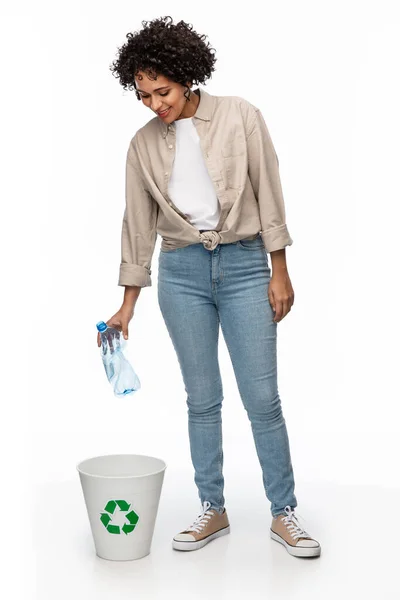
x: 119, y: 321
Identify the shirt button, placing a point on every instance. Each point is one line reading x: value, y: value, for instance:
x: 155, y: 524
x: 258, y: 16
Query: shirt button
x: 170, y: 203
x: 166, y: 172
x: 170, y: 146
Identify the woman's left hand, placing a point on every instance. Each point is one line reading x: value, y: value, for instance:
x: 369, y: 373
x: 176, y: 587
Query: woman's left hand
x: 280, y: 294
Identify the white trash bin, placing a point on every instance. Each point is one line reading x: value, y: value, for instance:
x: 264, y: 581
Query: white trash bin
x: 122, y: 493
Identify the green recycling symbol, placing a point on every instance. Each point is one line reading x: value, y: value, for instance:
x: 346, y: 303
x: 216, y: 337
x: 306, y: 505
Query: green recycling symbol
x: 110, y: 507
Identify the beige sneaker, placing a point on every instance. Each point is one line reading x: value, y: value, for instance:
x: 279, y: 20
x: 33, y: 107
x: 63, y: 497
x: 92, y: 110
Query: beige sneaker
x: 206, y: 527
x: 286, y: 529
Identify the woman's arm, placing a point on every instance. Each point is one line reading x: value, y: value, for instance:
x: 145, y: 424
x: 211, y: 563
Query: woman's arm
x: 139, y: 227
x: 278, y: 260
x: 280, y: 290
x: 265, y: 180
x: 131, y: 294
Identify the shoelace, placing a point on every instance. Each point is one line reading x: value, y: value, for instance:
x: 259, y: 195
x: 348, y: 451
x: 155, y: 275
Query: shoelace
x: 202, y: 519
x: 293, y: 524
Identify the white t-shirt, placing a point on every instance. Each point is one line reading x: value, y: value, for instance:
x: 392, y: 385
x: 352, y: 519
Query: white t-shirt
x: 190, y: 186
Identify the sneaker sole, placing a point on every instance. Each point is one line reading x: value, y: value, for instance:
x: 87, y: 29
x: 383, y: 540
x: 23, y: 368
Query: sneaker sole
x: 295, y: 550
x: 200, y: 543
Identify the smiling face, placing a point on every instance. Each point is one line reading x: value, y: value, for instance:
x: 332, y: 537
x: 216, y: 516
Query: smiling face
x: 164, y: 94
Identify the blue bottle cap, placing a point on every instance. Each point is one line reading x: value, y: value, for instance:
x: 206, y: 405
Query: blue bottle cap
x: 101, y: 326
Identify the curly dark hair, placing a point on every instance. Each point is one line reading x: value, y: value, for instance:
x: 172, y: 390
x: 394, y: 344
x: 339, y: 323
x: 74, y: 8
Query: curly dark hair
x: 175, y: 51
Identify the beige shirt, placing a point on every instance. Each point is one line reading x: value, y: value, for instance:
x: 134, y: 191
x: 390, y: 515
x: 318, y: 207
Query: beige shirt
x: 243, y: 165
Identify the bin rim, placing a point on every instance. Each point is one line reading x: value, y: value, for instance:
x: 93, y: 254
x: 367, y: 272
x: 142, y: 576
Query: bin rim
x: 119, y: 476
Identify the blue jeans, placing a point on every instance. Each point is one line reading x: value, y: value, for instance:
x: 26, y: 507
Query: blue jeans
x: 198, y: 289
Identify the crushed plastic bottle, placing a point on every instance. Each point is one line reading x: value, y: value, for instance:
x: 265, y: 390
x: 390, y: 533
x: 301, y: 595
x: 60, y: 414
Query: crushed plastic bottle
x: 118, y: 369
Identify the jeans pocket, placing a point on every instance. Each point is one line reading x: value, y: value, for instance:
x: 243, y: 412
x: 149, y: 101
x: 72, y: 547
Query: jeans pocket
x: 255, y: 244
x: 168, y: 250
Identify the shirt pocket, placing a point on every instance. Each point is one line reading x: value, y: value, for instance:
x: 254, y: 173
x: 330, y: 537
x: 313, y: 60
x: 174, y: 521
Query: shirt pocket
x: 233, y: 148
x: 234, y: 161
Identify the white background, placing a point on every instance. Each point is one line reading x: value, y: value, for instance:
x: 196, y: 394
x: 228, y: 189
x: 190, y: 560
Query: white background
x: 325, y: 75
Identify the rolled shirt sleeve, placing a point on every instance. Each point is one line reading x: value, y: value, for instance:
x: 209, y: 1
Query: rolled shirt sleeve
x: 139, y: 230
x: 265, y: 180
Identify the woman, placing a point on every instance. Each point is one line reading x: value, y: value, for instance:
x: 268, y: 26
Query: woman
x: 203, y: 174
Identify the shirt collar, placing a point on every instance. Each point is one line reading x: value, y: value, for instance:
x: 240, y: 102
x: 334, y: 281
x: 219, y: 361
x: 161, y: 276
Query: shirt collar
x: 203, y: 112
